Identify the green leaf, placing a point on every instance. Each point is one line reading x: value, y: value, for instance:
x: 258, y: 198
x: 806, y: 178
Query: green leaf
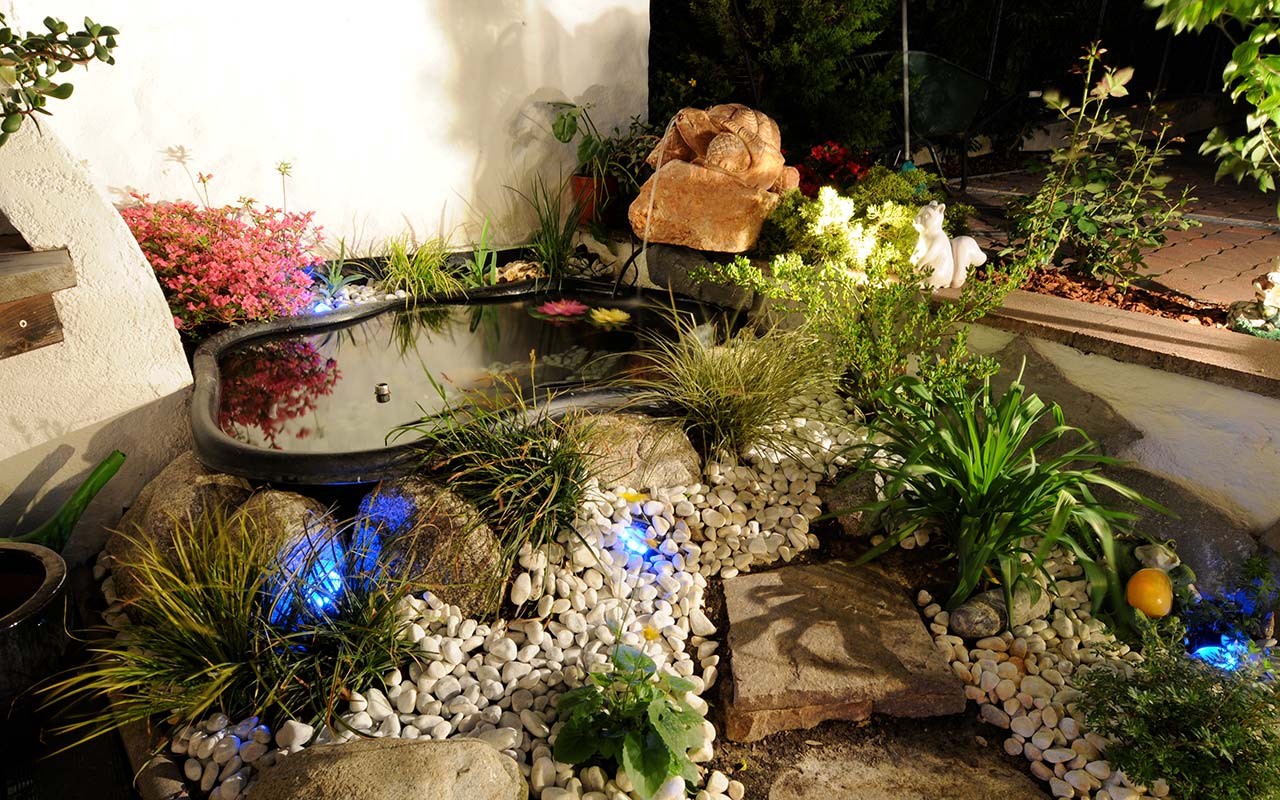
x: 647, y: 761
x: 565, y: 126
x: 576, y: 742
x: 630, y: 659
x: 61, y: 91
x: 1086, y: 226
x: 11, y: 123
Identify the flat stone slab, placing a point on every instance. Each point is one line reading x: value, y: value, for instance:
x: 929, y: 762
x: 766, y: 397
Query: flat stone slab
x: 895, y: 772
x: 829, y: 641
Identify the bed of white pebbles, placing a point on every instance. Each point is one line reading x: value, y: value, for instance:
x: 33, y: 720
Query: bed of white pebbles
x: 636, y: 569
x: 1022, y: 682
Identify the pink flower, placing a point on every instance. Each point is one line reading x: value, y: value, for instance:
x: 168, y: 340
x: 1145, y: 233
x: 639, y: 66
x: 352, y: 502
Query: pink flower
x: 562, y: 308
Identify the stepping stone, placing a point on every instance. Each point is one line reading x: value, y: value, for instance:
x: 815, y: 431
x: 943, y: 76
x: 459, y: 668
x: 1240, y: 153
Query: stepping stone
x: 829, y: 641
x: 896, y: 771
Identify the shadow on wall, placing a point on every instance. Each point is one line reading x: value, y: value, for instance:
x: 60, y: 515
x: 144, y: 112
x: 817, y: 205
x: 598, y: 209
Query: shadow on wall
x: 493, y: 120
x: 36, y: 482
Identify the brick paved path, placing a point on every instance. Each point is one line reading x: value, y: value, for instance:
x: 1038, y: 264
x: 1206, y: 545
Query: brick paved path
x: 1239, y: 234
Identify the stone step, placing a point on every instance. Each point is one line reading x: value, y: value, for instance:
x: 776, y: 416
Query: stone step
x: 829, y: 641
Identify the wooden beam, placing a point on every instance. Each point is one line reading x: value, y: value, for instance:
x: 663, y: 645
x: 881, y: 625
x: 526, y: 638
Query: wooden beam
x: 28, y: 324
x: 24, y: 275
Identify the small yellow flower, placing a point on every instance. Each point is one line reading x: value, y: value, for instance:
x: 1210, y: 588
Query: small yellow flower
x: 609, y: 316
x: 650, y: 633
x: 633, y: 497
x: 693, y: 81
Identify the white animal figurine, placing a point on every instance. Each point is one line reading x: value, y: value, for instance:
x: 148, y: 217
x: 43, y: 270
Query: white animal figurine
x: 949, y: 259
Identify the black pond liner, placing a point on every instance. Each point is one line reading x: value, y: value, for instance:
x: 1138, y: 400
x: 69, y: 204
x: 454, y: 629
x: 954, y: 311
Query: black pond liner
x: 223, y: 453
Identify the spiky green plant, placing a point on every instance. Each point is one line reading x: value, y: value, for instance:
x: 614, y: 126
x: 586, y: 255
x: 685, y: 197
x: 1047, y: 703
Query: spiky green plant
x: 422, y: 272
x: 482, y: 269
x: 732, y: 394
x: 974, y: 466
x: 226, y: 618
x: 552, y: 242
x: 334, y: 277
x: 525, y: 472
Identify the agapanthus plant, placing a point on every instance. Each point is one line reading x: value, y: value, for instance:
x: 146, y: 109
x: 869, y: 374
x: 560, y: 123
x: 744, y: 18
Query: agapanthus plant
x: 229, y: 264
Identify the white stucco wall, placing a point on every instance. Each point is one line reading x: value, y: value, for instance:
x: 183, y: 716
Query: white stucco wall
x: 118, y: 379
x: 396, y: 114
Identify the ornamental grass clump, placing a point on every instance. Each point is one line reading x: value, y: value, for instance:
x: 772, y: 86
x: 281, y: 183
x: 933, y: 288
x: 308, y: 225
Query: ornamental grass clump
x: 422, y: 272
x: 733, y: 394
x: 232, y: 615
x: 1207, y: 732
x: 226, y: 265
x: 1004, y: 489
x: 526, y: 472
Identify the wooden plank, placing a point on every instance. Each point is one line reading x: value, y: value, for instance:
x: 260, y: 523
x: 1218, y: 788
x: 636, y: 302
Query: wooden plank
x: 24, y: 275
x: 13, y: 243
x: 28, y: 324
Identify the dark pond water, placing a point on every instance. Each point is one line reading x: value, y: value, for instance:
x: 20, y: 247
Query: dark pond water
x: 316, y: 392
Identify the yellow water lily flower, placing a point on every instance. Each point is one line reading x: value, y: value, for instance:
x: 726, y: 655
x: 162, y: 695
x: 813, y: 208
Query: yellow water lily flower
x: 609, y: 316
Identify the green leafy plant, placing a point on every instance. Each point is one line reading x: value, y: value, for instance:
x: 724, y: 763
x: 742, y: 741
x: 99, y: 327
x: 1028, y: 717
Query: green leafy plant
x: 982, y: 470
x: 30, y: 62
x: 631, y: 717
x: 1250, y: 74
x: 846, y: 267
x: 732, y: 394
x: 482, y: 269
x: 552, y: 242
x: 228, y: 617
x: 1207, y: 732
x: 1103, y: 189
x: 525, y: 472
x: 56, y: 531
x: 334, y: 278
x: 421, y: 273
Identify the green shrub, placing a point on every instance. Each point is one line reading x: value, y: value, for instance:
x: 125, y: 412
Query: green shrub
x: 1207, y: 732
x: 1103, y: 191
x: 734, y: 394
x: 847, y: 268
x: 525, y: 472
x: 632, y: 717
x: 225, y: 620
x: 795, y: 60
x: 975, y: 466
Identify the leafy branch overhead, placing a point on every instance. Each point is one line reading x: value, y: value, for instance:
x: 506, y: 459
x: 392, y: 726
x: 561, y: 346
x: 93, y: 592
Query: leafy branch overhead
x: 1252, y: 73
x: 31, y: 62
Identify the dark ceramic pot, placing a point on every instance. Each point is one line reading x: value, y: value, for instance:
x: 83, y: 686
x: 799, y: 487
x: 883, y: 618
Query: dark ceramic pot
x: 33, y: 615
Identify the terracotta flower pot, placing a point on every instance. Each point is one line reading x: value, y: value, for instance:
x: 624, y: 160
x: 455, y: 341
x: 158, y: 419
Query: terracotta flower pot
x: 33, y: 605
x: 590, y: 197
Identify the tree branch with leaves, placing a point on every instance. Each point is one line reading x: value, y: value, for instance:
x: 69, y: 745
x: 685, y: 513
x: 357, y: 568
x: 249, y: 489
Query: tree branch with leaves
x: 30, y: 63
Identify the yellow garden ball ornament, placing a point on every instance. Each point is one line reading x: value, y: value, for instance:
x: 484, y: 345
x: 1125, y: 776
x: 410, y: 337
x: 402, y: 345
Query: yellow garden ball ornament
x: 1151, y: 592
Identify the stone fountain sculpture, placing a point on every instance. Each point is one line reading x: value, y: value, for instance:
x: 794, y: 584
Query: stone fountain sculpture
x: 718, y: 174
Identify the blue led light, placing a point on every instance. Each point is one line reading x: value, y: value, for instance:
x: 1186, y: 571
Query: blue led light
x: 634, y: 537
x: 313, y: 573
x: 1228, y: 656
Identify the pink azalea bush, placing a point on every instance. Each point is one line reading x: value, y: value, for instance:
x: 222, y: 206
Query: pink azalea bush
x: 226, y: 265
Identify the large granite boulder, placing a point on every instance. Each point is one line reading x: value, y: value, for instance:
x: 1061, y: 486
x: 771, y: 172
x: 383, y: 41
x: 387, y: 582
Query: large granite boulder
x: 640, y: 452
x: 184, y: 494
x: 394, y: 769
x: 439, y: 539
x: 718, y: 174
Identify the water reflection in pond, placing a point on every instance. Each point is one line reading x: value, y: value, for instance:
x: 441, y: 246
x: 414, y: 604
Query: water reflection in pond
x: 315, y: 392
